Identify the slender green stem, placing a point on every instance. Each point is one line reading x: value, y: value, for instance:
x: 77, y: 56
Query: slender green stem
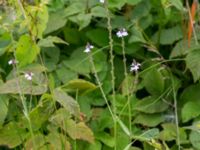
x: 100, y: 87
x: 109, y: 27
x: 176, y: 114
x: 126, y: 83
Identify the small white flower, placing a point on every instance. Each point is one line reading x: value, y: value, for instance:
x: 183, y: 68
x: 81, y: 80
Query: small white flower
x: 29, y: 76
x: 135, y: 66
x: 101, y: 1
x: 12, y: 62
x: 122, y: 33
x: 88, y: 48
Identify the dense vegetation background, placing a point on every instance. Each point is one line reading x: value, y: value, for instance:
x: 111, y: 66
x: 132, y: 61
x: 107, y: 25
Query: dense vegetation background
x: 99, y: 75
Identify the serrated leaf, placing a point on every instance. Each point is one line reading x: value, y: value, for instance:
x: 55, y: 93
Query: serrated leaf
x: 192, y: 62
x: 66, y: 101
x: 36, y: 142
x: 26, y: 51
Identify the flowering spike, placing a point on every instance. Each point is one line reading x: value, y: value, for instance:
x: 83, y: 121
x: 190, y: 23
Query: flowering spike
x: 88, y: 48
x: 122, y: 33
x: 135, y: 66
x: 28, y: 76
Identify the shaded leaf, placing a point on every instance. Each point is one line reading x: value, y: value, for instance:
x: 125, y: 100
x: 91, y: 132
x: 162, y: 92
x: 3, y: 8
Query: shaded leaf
x: 66, y: 101
x: 4, y: 101
x: 50, y: 40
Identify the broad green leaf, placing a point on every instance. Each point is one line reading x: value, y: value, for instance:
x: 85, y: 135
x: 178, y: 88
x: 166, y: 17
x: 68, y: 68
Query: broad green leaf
x: 12, y: 135
x: 169, y: 133
x: 169, y: 36
x: 66, y: 101
x: 195, y: 139
x: 58, y: 141
x: 116, y: 3
x: 181, y: 48
x: 105, y: 138
x: 65, y: 75
x: 154, y: 82
x: 133, y: 2
x: 81, y: 85
x: 50, y: 40
x: 74, y: 8
x: 95, y: 146
x: 136, y: 36
x: 190, y: 110
x: 147, y: 135
x: 34, y: 67
x: 4, y: 101
x: 26, y: 51
x: 36, y: 142
x: 82, y: 19
x: 5, y: 40
x: 98, y: 11
x: 56, y: 21
x: 20, y: 84
x: 192, y: 62
x: 149, y: 120
x: 76, y: 130
x: 151, y: 105
x: 101, y: 39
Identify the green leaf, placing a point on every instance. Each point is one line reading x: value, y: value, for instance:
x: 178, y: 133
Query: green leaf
x: 98, y: 11
x: 149, y: 120
x: 101, y: 39
x: 81, y: 85
x: 154, y: 82
x: 192, y: 62
x: 169, y: 133
x: 36, y: 142
x: 56, y: 21
x: 26, y: 51
x: 4, y: 101
x: 116, y: 3
x: 65, y: 75
x: 76, y: 131
x: 148, y: 135
x: 181, y: 48
x: 5, y: 40
x: 151, y: 105
x: 66, y: 101
x: 136, y: 36
x: 95, y: 146
x: 169, y: 36
x: 12, y: 86
x: 50, y: 40
x: 105, y: 138
x: 195, y: 139
x: 133, y: 2
x: 190, y: 110
x: 12, y: 135
x: 57, y: 141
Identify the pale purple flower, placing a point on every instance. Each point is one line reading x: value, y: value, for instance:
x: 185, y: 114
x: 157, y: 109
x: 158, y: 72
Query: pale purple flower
x: 88, y: 48
x: 135, y: 66
x: 122, y: 33
x: 28, y: 76
x: 13, y: 62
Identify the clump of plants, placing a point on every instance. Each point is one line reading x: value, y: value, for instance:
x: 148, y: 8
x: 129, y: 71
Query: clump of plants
x: 99, y: 74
